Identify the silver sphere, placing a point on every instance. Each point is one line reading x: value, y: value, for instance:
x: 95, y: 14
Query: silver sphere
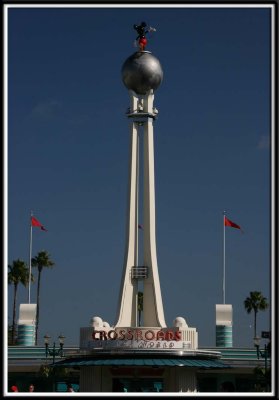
x: 142, y: 72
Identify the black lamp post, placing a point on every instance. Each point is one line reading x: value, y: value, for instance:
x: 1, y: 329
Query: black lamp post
x: 263, y: 354
x: 54, y: 352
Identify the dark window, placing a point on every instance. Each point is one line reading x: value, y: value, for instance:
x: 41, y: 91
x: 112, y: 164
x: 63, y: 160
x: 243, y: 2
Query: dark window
x: 137, y: 385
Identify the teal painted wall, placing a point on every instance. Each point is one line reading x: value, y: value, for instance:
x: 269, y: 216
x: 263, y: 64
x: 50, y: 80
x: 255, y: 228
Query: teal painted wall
x: 26, y: 335
x: 224, y: 336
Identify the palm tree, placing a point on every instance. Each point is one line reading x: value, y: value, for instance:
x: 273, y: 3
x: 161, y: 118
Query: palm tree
x: 140, y: 305
x: 256, y: 302
x: 18, y: 273
x: 42, y: 260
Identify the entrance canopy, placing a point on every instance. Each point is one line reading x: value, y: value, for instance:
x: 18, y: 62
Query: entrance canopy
x: 141, y: 362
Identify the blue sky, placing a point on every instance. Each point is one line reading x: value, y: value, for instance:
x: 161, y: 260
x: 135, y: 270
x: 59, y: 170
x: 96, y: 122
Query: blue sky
x: 68, y: 152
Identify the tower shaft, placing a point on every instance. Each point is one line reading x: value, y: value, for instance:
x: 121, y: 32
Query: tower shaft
x: 142, y: 116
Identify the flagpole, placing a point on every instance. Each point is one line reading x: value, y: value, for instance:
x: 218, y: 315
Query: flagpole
x: 224, y: 256
x: 30, y: 258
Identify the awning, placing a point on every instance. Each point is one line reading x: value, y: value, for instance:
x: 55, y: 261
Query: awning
x: 142, y: 362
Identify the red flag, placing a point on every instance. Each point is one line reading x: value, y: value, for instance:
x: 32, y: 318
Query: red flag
x: 227, y: 222
x: 35, y: 222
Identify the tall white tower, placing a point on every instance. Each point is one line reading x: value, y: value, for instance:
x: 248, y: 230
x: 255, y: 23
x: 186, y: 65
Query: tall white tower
x: 142, y: 74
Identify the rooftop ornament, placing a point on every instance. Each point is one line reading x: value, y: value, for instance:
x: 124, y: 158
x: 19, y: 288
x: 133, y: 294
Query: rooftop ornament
x: 142, y: 30
x: 142, y: 71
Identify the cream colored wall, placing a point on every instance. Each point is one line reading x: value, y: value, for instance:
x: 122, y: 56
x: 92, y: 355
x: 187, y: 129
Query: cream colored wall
x: 95, y: 379
x: 178, y: 379
x: 191, y: 335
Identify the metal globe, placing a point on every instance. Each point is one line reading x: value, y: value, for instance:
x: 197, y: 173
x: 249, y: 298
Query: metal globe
x: 142, y: 72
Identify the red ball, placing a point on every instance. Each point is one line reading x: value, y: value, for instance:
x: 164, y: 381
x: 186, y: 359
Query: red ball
x: 143, y: 41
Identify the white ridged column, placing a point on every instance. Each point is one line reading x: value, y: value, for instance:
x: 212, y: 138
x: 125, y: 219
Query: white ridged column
x: 186, y: 380
x: 95, y: 379
x: 127, y: 304
x: 153, y: 313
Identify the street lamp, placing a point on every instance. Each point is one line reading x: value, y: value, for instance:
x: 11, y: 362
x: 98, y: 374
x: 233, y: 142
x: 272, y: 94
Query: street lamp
x: 263, y: 354
x: 54, y: 352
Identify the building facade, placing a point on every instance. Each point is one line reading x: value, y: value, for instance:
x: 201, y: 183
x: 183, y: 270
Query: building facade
x: 27, y: 365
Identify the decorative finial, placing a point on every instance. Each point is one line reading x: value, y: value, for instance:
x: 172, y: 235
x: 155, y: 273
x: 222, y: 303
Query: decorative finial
x: 142, y: 30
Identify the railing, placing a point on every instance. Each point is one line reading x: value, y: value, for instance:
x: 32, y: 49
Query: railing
x: 35, y: 352
x: 139, y: 272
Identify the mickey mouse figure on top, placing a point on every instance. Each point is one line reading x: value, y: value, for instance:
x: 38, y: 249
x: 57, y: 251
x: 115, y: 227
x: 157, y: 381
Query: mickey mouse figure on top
x: 142, y: 30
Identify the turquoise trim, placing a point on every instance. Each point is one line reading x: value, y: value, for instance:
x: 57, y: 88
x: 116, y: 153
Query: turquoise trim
x: 38, y: 352
x: 224, y: 336
x: 26, y: 335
